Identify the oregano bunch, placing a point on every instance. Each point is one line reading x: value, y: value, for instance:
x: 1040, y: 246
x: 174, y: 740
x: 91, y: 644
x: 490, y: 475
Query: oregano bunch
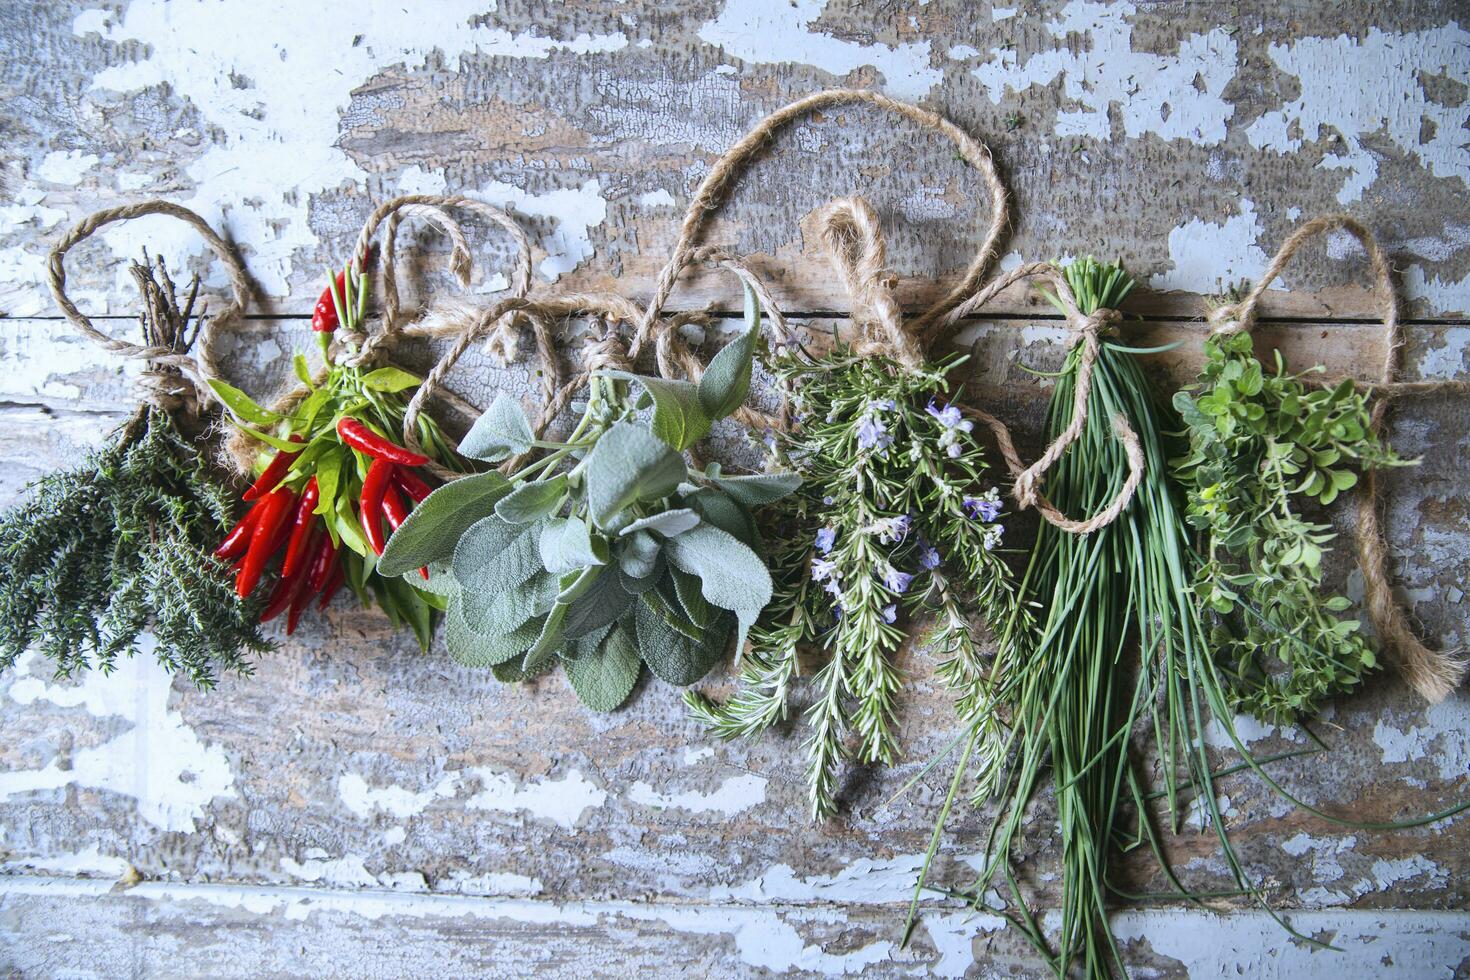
x: 609, y: 551
x: 97, y: 556
x: 895, y: 516
x: 1266, y: 449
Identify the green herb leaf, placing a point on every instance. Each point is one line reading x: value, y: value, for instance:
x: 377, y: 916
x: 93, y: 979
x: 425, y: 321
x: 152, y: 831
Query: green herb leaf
x: 549, y: 641
x: 433, y: 529
x: 672, y: 656
x: 532, y: 501
x: 759, y: 488
x: 678, y: 418
x: 726, y: 381
x: 242, y: 406
x: 629, y: 463
x: 715, y: 508
x: 475, y: 648
x: 493, y: 556
x: 498, y: 612
x: 501, y: 432
x: 638, y: 554
x: 600, y: 605
x: 731, y: 575
x: 605, y: 676
x: 566, y: 544
x: 669, y: 523
x: 390, y: 379
x: 303, y: 370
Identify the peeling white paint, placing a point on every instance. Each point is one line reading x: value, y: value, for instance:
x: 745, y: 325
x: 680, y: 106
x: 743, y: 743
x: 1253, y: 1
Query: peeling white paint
x: 1174, y: 96
x: 65, y: 166
x: 577, y: 210
x: 656, y: 199
x: 90, y: 862
x: 1387, y: 946
x: 1444, y: 738
x: 560, y: 800
x: 1441, y: 295
x: 1207, y: 256
x: 278, y: 136
x: 953, y: 936
x: 773, y: 32
x: 735, y: 795
x: 399, y: 801
x: 864, y: 882
x: 1382, y: 74
x: 158, y: 760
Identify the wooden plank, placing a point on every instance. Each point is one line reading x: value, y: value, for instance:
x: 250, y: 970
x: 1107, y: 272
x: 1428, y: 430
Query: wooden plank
x: 1187, y: 138
x: 226, y: 931
x: 351, y: 760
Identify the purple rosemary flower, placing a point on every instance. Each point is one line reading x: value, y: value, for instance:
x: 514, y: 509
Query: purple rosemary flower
x: 949, y: 416
x: 826, y: 538
x: 881, y: 405
x: 892, y: 530
x: 896, y: 580
x: 873, y: 434
x: 890, y: 612
x: 822, y: 569
x: 985, y: 508
x: 928, y: 555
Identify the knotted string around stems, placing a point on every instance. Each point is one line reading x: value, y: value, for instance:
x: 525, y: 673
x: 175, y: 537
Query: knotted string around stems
x: 167, y: 356
x: 1434, y: 674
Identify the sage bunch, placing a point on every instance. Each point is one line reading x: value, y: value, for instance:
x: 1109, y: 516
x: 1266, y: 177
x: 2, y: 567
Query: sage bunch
x: 609, y: 551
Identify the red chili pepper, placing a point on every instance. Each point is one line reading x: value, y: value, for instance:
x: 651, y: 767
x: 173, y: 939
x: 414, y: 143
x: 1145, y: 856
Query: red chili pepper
x: 288, y: 587
x: 299, y: 602
x: 324, y: 316
x: 273, y: 473
x: 339, y: 575
x: 302, y: 530
x: 264, y: 539
x: 321, y: 564
x: 365, y: 440
x: 396, y: 511
x: 409, y: 483
x: 370, y: 504
x: 237, y: 541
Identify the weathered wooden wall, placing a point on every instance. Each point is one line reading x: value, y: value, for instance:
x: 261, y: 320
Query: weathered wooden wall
x: 357, y: 808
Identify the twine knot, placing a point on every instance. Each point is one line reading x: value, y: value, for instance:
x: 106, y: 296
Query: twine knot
x: 1099, y: 322
x: 605, y: 353
x: 1228, y: 319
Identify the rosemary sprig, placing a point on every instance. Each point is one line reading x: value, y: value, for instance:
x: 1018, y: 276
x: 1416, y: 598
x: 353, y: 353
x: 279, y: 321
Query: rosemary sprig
x: 891, y: 522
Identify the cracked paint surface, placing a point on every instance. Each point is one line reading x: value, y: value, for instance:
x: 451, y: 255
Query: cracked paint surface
x: 355, y: 791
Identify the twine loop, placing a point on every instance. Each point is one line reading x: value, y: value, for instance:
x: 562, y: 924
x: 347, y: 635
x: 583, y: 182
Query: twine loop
x: 178, y: 367
x: 1434, y: 674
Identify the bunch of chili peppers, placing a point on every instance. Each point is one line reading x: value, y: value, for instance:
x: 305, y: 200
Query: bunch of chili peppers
x: 333, y: 484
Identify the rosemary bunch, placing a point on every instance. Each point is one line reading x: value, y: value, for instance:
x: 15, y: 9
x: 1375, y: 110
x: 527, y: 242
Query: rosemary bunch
x: 121, y: 545
x: 890, y: 519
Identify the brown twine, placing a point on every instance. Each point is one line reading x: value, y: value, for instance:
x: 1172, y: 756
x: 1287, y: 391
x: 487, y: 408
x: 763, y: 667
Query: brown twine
x: 168, y: 361
x: 855, y: 244
x: 1434, y: 674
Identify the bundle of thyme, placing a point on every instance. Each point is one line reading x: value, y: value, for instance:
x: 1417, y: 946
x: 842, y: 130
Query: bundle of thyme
x: 895, y: 516
x: 121, y: 545
x: 1260, y: 446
